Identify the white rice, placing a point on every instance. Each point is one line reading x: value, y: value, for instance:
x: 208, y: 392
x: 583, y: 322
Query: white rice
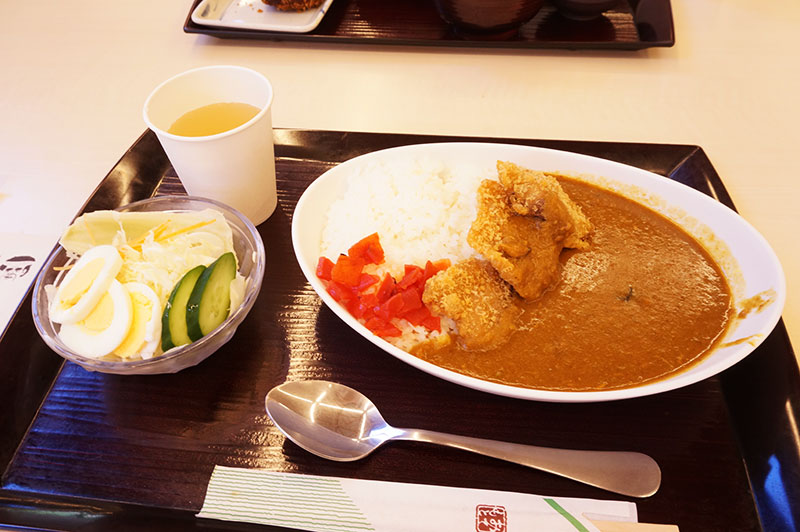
x: 421, y: 209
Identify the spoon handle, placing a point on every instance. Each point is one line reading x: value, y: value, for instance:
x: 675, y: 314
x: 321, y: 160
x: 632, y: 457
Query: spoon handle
x: 627, y: 473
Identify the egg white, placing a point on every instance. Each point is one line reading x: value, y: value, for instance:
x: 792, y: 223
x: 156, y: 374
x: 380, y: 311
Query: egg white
x: 70, y: 312
x: 96, y: 344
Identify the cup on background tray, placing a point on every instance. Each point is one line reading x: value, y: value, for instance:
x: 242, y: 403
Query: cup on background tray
x: 235, y: 166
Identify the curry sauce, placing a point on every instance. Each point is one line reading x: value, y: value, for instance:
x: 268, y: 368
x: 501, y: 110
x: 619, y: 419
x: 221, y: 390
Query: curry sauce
x: 643, y: 302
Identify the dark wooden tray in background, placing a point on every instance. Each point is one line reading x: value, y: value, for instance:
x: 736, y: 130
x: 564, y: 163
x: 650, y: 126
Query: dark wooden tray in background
x: 90, y: 451
x: 633, y: 25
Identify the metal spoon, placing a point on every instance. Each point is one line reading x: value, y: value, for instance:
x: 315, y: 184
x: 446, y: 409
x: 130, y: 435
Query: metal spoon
x: 337, y: 422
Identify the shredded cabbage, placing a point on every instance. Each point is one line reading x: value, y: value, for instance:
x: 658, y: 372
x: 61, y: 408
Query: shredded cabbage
x: 160, y: 248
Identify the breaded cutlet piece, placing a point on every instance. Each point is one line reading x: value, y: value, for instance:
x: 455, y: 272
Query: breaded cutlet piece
x: 293, y: 5
x: 523, y: 249
x: 473, y: 295
x: 527, y: 191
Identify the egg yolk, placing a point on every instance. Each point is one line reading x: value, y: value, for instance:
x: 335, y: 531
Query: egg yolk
x: 80, y: 283
x: 142, y: 312
x: 99, y: 319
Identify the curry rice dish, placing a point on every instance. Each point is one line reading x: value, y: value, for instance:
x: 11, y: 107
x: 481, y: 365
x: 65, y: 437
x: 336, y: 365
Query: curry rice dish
x: 573, y: 288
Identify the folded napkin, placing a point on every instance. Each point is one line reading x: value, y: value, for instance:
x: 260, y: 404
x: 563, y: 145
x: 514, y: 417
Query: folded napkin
x: 330, y: 504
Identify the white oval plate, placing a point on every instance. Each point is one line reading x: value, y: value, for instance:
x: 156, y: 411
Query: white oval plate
x: 749, y: 263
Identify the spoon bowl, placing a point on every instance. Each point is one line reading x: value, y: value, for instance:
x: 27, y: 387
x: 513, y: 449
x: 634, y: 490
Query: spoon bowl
x: 339, y: 423
x: 327, y: 419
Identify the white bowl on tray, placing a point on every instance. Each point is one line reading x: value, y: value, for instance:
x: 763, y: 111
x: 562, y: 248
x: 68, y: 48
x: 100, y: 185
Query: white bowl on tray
x: 749, y: 264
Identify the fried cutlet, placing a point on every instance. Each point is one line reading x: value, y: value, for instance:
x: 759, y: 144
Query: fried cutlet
x: 523, y: 249
x: 473, y: 295
x: 293, y: 5
x: 532, y: 193
x: 523, y: 223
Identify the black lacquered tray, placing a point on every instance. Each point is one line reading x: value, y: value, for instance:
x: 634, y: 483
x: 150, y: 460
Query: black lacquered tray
x: 632, y: 25
x: 91, y: 451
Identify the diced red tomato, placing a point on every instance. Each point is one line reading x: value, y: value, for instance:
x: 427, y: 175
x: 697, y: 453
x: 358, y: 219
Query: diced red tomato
x: 375, y: 254
x: 374, y: 324
x: 324, y: 268
x: 390, y: 331
x: 385, y: 288
x: 414, y: 274
x: 379, y: 300
x: 354, y: 307
x: 390, y: 308
x: 369, y: 312
x: 433, y: 323
x: 368, y: 249
x: 429, y: 270
x: 366, y: 281
x: 382, y: 328
x: 417, y: 316
x: 432, y: 268
x: 340, y: 292
x: 347, y: 270
x: 370, y: 300
x: 359, y: 309
x: 411, y: 300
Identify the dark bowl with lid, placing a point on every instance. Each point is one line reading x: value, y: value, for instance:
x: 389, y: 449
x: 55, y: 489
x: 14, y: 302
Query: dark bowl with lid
x: 488, y: 16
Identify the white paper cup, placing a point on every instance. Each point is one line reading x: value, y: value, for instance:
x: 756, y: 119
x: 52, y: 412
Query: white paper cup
x: 236, y: 167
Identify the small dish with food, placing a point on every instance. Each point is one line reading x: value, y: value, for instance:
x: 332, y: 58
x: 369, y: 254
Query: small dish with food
x: 290, y: 16
x: 153, y: 287
x: 534, y: 273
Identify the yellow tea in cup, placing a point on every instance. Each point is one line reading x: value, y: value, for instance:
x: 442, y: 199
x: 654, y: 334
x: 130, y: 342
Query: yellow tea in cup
x: 215, y: 125
x: 212, y: 119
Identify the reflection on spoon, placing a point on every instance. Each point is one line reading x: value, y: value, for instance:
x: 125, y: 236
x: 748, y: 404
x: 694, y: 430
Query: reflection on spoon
x: 338, y: 423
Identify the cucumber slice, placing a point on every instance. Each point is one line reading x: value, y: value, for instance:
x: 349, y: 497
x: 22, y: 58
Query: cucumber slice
x: 210, y: 301
x: 173, y: 320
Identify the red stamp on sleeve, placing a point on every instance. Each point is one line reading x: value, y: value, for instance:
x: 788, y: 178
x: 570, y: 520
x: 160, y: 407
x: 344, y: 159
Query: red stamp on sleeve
x: 490, y: 518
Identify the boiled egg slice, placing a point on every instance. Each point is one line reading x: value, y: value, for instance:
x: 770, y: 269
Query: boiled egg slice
x: 84, y: 284
x: 144, y: 335
x: 105, y: 327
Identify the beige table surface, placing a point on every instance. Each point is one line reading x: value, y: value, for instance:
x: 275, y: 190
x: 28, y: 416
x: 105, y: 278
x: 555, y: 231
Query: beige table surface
x: 74, y: 76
